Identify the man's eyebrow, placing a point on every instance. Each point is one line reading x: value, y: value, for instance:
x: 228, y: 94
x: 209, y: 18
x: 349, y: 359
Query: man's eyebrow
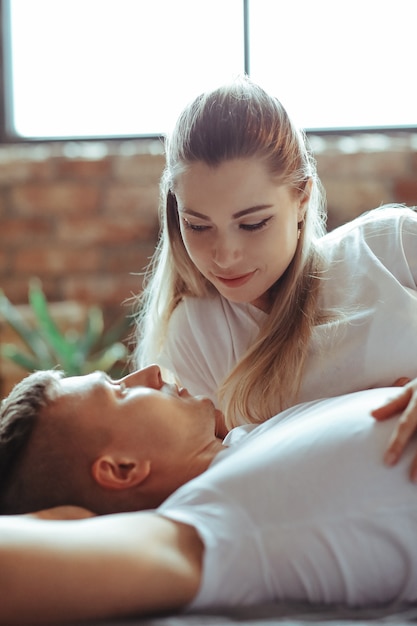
x: 103, y: 377
x: 104, y: 384
x: 236, y: 215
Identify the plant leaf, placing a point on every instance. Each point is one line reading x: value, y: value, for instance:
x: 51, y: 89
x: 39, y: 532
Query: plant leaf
x: 93, y: 329
x: 117, y: 332
x: 105, y: 359
x: 76, y: 353
x: 27, y: 362
x: 28, y: 335
x: 62, y: 349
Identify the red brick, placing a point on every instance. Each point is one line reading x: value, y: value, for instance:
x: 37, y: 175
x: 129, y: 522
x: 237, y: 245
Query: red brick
x: 413, y: 162
x: 56, y: 260
x: 16, y: 286
x: 4, y: 262
x: 83, y: 168
x: 347, y: 199
x: 3, y: 206
x: 102, y: 290
x: 55, y: 197
x: 363, y: 165
x: 20, y: 171
x: 143, y: 169
x: 19, y: 231
x: 127, y: 258
x: 406, y: 191
x: 97, y: 231
x: 141, y: 202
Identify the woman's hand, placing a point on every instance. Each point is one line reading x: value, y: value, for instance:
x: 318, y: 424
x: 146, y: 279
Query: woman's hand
x: 406, y: 403
x: 62, y: 513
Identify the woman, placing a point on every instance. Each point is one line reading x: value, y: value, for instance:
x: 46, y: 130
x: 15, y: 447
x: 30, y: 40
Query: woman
x: 246, y: 300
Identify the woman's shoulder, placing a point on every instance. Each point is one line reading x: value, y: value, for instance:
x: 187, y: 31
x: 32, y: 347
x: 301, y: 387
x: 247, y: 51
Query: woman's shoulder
x: 193, y: 306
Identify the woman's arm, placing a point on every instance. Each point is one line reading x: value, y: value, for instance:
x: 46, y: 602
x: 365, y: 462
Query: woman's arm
x: 406, y: 403
x: 96, y: 568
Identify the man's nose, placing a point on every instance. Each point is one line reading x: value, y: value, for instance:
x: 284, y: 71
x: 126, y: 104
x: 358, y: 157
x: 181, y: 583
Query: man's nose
x: 146, y: 377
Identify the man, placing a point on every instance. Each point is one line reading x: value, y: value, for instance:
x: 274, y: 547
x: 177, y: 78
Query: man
x: 298, y: 508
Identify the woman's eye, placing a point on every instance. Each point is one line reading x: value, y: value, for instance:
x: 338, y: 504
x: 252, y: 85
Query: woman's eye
x: 257, y: 226
x: 197, y: 228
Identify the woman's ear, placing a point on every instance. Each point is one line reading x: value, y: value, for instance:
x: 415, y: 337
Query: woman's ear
x: 304, y: 200
x: 114, y: 473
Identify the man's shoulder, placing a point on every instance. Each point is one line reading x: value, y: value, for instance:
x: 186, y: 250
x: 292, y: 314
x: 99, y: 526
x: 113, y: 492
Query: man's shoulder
x: 377, y: 232
x: 374, y: 221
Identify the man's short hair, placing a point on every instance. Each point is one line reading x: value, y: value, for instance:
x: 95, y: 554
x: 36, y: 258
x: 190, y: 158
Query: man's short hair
x: 19, y: 415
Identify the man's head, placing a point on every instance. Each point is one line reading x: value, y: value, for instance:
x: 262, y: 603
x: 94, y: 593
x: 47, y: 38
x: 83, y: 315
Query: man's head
x: 105, y: 445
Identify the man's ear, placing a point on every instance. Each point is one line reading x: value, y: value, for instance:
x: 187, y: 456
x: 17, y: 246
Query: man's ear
x: 113, y: 473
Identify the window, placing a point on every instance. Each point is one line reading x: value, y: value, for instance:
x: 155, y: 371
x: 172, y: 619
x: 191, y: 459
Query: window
x: 114, y: 67
x: 337, y: 63
x: 117, y: 68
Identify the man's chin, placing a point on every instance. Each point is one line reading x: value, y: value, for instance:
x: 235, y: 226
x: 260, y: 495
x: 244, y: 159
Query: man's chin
x: 220, y: 426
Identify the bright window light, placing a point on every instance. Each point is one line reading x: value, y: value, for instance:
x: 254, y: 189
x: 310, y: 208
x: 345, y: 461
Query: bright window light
x: 338, y: 63
x: 100, y: 68
x: 117, y: 67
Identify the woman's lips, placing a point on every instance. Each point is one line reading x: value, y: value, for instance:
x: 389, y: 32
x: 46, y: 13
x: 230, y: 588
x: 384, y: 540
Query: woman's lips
x: 236, y: 281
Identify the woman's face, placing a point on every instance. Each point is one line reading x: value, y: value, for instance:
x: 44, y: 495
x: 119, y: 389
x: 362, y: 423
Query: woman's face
x: 239, y: 226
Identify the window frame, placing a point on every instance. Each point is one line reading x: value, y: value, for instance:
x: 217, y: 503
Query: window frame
x: 7, y: 136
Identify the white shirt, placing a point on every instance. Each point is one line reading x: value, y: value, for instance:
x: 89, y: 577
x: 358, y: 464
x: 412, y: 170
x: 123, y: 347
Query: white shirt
x: 372, y: 277
x: 302, y: 508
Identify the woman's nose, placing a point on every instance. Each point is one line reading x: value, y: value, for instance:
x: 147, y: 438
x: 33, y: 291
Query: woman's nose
x: 225, y: 252
x: 146, y: 377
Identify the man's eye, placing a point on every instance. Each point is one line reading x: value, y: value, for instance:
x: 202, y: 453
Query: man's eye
x: 123, y: 389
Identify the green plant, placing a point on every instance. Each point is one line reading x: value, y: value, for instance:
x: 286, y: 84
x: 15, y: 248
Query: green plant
x: 94, y: 348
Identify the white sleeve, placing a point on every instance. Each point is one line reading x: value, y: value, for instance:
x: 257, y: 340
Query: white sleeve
x: 206, y: 338
x: 391, y: 234
x: 409, y: 244
x: 193, y: 354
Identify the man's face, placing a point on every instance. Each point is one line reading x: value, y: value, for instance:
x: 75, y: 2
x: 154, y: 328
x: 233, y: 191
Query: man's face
x: 138, y: 410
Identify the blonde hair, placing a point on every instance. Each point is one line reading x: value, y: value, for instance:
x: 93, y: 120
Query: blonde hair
x: 240, y: 120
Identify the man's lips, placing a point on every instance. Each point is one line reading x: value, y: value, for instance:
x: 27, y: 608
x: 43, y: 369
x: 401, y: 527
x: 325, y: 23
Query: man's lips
x: 235, y: 281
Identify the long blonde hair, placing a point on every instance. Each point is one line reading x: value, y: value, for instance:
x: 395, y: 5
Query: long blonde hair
x: 240, y: 120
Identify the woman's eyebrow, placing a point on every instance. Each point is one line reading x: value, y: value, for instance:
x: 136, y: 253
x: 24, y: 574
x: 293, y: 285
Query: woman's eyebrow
x: 253, y: 209
x: 236, y: 215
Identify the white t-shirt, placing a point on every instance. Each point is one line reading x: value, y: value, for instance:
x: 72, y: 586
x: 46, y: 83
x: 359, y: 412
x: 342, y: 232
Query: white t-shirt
x: 303, y: 508
x: 372, y: 278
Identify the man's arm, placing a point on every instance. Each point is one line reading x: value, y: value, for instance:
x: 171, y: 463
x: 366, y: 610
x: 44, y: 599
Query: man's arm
x: 95, y: 568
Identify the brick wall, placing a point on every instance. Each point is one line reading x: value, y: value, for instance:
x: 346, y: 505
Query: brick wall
x: 80, y: 217
x: 362, y: 172
x: 83, y: 216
